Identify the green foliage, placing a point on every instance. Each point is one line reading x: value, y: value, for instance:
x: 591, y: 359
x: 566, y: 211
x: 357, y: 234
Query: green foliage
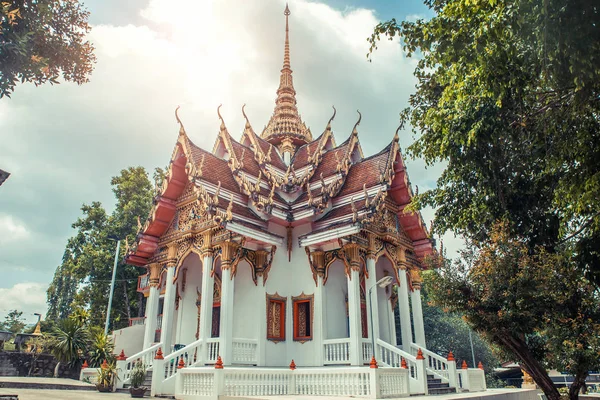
x: 138, y: 374
x: 107, y: 375
x: 507, y: 95
x: 447, y: 332
x: 69, y: 341
x: 534, y: 305
x: 101, y: 348
x: 13, y: 322
x: 41, y: 40
x: 82, y: 281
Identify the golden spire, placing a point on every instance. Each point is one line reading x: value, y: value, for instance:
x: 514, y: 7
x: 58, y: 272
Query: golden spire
x: 285, y: 128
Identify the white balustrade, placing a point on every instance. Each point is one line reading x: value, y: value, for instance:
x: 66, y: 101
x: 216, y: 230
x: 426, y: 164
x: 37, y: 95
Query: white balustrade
x: 391, y: 356
x: 393, y: 382
x: 210, y: 383
x: 244, y: 351
x: 89, y: 375
x: 212, y: 350
x: 145, y: 356
x: 472, y: 380
x: 476, y: 380
x: 435, y: 364
x: 196, y: 383
x: 137, y: 321
x: 190, y: 354
x: 336, y: 351
x: 257, y: 382
x: 367, y: 351
x: 354, y: 382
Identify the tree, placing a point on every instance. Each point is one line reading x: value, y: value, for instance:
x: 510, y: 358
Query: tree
x: 69, y: 340
x: 82, y: 281
x: 447, y: 332
x: 14, y: 322
x: 507, y: 96
x: 41, y: 40
x: 535, y: 306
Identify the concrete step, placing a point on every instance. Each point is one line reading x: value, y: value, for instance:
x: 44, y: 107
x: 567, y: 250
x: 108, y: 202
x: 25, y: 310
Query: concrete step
x: 434, y: 381
x: 19, y: 382
x: 437, y: 385
x: 441, y: 391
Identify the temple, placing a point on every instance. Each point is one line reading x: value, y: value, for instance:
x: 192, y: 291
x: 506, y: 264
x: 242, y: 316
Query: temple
x: 283, y: 246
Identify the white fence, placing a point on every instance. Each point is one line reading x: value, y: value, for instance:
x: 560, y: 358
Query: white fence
x: 437, y: 365
x: 209, y: 383
x: 244, y: 351
x: 89, y: 375
x: 472, y: 380
x: 392, y: 356
x: 336, y: 351
x: 124, y: 368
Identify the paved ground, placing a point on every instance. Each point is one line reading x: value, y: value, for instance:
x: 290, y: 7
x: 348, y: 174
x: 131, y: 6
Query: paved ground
x: 52, y: 394
x: 42, y: 381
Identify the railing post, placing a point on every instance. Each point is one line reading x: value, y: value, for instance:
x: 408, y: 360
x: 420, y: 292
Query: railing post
x: 292, y: 389
x: 375, y: 388
x: 219, y: 386
x: 179, y: 383
x: 421, y: 372
x: 452, y: 371
x: 158, y: 373
x: 465, y: 376
x: 121, y: 368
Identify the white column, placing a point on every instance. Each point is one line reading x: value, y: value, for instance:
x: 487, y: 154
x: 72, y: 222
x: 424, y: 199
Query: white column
x: 354, y: 317
x: 227, y: 287
x: 151, y: 316
x: 318, y: 321
x: 372, y: 302
x: 168, y: 311
x: 392, y: 319
x: 417, y: 312
x: 404, y: 311
x: 262, y: 263
x: 226, y: 328
x: 152, y: 305
x: 206, y: 301
x: 261, y: 304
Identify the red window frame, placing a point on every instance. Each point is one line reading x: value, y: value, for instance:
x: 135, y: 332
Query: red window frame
x: 297, y: 337
x: 281, y: 336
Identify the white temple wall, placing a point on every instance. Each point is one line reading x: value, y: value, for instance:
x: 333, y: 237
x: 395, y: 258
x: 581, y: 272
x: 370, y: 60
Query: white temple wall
x: 187, y: 314
x: 290, y: 279
x: 245, y: 309
x: 335, y: 294
x: 384, y: 268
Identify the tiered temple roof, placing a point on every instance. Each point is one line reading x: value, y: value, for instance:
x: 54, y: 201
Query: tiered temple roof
x: 243, y: 186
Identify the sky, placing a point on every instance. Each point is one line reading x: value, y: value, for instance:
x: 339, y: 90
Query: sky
x: 63, y: 143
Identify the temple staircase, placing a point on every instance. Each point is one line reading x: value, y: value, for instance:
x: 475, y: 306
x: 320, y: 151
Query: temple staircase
x: 436, y: 386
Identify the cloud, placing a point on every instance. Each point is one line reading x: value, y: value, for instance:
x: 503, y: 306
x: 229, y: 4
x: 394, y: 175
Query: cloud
x: 28, y: 297
x: 63, y: 143
x: 414, y: 17
x: 11, y: 229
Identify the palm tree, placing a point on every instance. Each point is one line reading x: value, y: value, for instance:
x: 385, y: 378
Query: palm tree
x: 70, y: 340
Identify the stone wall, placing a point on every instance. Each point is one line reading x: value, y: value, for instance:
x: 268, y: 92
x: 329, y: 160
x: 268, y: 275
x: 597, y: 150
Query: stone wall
x: 20, y: 364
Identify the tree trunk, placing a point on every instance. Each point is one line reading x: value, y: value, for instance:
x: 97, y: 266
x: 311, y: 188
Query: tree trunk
x: 578, y: 382
x: 531, y: 365
x: 56, y: 369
